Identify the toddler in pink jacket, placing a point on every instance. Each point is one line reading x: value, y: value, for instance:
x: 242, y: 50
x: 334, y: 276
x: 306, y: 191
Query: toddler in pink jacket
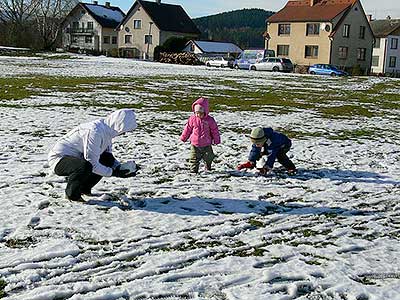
x: 202, y: 130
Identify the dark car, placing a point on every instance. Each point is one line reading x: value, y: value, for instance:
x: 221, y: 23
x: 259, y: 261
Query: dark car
x: 326, y: 69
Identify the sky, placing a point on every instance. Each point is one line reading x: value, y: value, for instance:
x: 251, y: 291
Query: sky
x: 195, y: 8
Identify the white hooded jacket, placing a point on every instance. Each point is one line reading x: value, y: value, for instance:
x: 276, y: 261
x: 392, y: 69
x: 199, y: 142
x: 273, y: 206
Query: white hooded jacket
x: 90, y: 140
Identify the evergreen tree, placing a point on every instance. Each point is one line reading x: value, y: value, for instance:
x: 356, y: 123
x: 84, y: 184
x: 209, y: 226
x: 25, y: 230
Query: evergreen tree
x: 243, y: 27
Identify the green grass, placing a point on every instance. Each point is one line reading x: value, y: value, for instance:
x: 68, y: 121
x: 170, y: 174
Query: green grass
x: 3, y: 285
x: 176, y: 94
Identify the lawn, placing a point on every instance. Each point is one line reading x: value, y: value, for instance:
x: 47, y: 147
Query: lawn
x: 331, y: 232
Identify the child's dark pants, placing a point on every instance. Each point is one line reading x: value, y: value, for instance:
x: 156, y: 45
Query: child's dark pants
x: 284, y: 160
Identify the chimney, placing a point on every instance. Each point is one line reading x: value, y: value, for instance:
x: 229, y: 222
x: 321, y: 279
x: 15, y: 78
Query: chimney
x: 107, y: 4
x: 95, y: 2
x: 369, y: 17
x: 388, y: 18
x: 158, y: 2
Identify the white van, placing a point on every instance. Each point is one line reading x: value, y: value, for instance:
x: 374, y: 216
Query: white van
x: 251, y: 56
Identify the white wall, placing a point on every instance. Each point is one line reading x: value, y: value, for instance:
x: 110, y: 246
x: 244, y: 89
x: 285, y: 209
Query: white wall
x: 380, y: 52
x: 392, y: 52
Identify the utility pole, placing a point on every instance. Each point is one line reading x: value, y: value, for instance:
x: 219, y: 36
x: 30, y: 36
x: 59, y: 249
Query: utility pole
x: 148, y: 44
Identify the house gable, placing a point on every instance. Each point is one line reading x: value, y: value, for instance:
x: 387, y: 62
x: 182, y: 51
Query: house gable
x: 167, y: 17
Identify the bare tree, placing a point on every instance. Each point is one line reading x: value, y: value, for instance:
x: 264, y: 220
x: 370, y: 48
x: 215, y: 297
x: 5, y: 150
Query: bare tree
x: 17, y: 11
x: 49, y: 15
x: 15, y: 16
x: 34, y: 23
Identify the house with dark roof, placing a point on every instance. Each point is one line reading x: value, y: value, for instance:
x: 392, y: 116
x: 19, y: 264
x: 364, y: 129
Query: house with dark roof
x: 211, y: 48
x: 322, y: 31
x: 90, y: 27
x: 386, y: 52
x: 149, y: 24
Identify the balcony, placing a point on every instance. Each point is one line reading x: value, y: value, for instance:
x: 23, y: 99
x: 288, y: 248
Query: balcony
x: 80, y: 31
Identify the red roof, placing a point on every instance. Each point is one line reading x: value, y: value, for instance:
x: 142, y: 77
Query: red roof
x: 301, y: 10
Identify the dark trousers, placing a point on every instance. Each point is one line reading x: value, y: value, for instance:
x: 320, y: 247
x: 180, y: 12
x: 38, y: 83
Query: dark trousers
x: 284, y: 160
x: 81, y: 179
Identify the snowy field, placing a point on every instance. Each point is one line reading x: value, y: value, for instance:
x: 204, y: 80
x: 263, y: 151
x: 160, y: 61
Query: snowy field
x: 331, y: 232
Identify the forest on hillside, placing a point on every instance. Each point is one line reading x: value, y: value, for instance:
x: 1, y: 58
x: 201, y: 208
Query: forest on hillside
x: 243, y: 27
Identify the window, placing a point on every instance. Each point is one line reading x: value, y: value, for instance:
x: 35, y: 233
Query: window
x: 343, y: 52
x: 311, y: 52
x: 312, y: 29
x: 75, y: 25
x: 283, y: 29
x: 89, y: 25
x: 392, y: 62
x: 377, y: 43
x: 394, y: 43
x: 346, y: 30
x: 361, y: 53
x: 375, y: 61
x: 128, y: 39
x: 88, y: 39
x: 74, y: 39
x: 283, y: 50
x: 114, y: 40
x: 137, y: 24
x: 148, y: 39
x: 362, y: 32
x: 106, y: 39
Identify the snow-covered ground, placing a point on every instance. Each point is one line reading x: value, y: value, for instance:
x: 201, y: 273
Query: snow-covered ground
x: 331, y: 232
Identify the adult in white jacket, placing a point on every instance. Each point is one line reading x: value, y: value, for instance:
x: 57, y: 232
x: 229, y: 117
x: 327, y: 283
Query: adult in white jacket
x: 85, y: 153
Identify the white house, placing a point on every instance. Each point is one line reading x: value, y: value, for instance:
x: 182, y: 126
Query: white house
x: 149, y: 24
x: 386, y: 52
x: 90, y: 27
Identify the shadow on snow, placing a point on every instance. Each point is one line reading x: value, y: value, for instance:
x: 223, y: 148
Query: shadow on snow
x: 196, y: 206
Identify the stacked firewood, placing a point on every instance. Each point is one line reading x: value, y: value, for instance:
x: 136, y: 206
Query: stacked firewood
x: 179, y: 58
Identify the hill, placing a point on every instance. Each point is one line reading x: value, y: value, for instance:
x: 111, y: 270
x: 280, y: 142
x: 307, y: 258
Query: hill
x: 243, y: 27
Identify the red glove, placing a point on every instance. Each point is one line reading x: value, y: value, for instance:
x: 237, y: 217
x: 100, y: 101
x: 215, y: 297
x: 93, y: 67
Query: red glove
x: 246, y: 165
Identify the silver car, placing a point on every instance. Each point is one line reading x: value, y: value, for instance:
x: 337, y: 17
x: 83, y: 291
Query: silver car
x: 276, y: 64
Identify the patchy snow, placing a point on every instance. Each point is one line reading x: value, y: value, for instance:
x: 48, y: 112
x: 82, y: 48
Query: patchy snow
x: 332, y: 232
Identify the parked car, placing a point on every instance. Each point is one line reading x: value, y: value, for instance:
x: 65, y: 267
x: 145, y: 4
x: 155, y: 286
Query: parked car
x: 220, y: 62
x: 326, y: 69
x: 273, y: 64
x: 251, y: 56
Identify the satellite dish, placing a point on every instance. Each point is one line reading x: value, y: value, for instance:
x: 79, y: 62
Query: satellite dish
x: 327, y: 27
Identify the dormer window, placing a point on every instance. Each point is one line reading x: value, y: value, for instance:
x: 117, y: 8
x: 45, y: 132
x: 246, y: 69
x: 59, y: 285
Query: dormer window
x: 137, y: 24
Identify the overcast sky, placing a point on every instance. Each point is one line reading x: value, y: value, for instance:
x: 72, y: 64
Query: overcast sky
x: 380, y: 9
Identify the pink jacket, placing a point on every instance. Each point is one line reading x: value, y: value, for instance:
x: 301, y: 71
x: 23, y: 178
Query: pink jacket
x: 202, y: 132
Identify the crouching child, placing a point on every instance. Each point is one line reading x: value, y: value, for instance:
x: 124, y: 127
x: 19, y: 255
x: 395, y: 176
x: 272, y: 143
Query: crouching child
x: 270, y: 143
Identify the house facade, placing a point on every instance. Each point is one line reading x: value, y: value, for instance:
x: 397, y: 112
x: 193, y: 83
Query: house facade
x: 91, y: 28
x: 322, y: 31
x: 149, y: 24
x: 386, y: 52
